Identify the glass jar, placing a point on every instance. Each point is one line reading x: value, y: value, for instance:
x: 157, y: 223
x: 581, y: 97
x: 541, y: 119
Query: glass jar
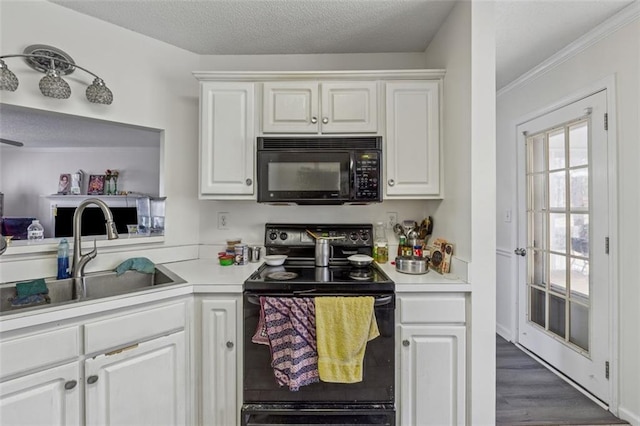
x: 380, y: 244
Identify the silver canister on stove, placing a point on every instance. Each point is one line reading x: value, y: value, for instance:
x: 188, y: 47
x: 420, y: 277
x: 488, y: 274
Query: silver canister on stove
x: 323, y: 252
x: 242, y: 254
x: 255, y: 254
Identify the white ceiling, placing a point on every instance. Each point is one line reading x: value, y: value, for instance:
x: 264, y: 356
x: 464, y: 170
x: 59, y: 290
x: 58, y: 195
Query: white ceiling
x: 527, y: 31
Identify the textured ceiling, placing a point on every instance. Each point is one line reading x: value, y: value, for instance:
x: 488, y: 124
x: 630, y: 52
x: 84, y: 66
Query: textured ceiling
x: 275, y: 26
x: 527, y: 31
x: 40, y: 128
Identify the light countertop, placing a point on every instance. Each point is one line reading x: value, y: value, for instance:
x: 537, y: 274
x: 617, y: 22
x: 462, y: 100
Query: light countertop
x: 206, y: 276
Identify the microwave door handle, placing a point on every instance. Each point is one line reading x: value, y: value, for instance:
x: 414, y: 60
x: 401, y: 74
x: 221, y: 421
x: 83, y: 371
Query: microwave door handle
x: 352, y: 176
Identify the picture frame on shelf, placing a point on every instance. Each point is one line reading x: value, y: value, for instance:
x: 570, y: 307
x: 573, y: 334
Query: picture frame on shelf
x: 64, y: 184
x: 96, y: 185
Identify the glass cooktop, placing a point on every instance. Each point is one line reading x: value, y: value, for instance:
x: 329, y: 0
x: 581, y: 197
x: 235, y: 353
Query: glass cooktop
x: 307, y: 278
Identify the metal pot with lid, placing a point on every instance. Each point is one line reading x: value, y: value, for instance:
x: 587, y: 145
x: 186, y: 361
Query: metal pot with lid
x: 412, y: 265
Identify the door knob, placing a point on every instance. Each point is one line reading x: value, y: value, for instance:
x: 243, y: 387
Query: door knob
x: 325, y: 120
x: 92, y: 379
x: 314, y: 120
x: 391, y: 182
x: 230, y: 345
x: 520, y: 251
x: 405, y: 343
x: 249, y: 182
x: 70, y: 384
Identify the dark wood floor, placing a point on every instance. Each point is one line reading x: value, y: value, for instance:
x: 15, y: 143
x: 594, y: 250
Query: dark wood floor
x: 529, y: 394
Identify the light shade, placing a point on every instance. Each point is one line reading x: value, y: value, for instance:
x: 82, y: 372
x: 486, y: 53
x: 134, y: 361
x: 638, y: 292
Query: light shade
x: 99, y: 93
x: 54, y: 86
x: 8, y: 80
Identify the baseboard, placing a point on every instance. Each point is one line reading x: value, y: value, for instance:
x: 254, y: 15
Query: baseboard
x: 627, y: 415
x: 504, y: 332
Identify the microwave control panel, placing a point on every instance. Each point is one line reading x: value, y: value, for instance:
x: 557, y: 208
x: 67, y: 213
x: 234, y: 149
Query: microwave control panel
x: 367, y: 176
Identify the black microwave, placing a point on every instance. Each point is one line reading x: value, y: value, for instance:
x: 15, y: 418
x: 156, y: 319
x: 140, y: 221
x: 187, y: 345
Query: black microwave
x: 319, y: 170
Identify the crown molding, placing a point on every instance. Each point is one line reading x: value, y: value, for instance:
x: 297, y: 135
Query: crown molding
x: 412, y: 74
x: 608, y: 27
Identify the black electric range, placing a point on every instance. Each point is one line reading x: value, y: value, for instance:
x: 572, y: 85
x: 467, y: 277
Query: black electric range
x: 300, y: 275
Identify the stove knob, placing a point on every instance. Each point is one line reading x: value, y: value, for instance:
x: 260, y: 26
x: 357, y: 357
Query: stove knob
x: 283, y: 236
x: 273, y: 235
x: 353, y: 236
x: 364, y: 235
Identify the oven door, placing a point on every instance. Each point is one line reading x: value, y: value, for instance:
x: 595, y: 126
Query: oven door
x: 307, y: 177
x: 369, y: 402
x: 377, y: 386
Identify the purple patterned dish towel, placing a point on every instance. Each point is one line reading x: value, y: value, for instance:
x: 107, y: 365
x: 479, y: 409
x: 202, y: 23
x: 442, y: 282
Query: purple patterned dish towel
x: 260, y: 336
x: 291, y: 329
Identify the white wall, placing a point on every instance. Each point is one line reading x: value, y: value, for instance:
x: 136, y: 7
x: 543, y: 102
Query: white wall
x: 465, y: 47
x: 152, y: 83
x: 617, y: 55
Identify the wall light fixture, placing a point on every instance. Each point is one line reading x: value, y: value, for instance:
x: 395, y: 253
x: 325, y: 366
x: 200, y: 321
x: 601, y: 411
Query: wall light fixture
x: 53, y: 63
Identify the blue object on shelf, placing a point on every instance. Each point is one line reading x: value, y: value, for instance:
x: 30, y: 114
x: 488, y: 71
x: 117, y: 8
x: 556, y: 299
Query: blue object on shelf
x: 63, y: 259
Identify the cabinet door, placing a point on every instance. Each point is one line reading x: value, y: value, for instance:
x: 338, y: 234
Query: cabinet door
x: 219, y: 362
x: 413, y: 139
x: 144, y: 384
x: 349, y: 107
x: 227, y: 140
x: 432, y: 376
x: 290, y: 107
x: 50, y: 397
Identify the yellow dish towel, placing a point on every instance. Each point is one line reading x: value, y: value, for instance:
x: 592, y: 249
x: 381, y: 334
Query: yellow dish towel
x: 344, y: 325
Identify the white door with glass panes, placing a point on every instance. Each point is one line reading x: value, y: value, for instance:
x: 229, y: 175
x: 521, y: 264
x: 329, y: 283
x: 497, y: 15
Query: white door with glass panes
x: 564, y: 288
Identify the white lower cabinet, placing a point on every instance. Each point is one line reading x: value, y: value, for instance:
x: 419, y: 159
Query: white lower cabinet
x: 142, y: 384
x: 432, y: 360
x: 131, y: 369
x: 220, y: 360
x: 46, y: 398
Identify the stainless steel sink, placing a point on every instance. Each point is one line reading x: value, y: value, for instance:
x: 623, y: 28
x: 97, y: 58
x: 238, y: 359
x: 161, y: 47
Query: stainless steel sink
x: 98, y: 285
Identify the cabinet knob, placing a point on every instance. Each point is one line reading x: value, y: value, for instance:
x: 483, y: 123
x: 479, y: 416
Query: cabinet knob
x: 520, y: 251
x: 230, y: 345
x: 391, y: 182
x: 92, y: 379
x: 249, y: 182
x: 325, y: 120
x: 70, y: 384
x: 314, y: 120
x: 405, y: 343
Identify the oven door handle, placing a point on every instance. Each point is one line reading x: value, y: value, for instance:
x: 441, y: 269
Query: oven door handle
x: 379, y: 301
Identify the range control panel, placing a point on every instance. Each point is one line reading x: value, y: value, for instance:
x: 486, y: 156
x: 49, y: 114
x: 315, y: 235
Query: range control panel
x: 299, y: 235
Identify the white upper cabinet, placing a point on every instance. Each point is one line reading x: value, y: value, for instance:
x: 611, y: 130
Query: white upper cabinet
x: 227, y: 140
x: 320, y: 107
x: 412, y: 140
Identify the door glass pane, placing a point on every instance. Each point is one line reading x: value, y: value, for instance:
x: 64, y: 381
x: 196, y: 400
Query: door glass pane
x: 537, y: 307
x: 557, y: 190
x: 557, y: 315
x: 538, y: 269
x: 538, y: 160
x: 579, y: 183
x: 558, y: 232
x: 579, y: 277
x: 579, y: 334
x: 539, y: 231
x: 578, y: 144
x: 539, y: 192
x: 558, y: 272
x: 556, y: 150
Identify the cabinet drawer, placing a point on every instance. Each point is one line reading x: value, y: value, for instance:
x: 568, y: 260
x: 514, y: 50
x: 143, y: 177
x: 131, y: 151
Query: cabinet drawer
x: 135, y: 327
x: 39, y: 350
x: 438, y: 309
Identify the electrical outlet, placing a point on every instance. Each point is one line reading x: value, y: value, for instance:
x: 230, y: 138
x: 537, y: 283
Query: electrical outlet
x: 392, y: 219
x: 223, y: 220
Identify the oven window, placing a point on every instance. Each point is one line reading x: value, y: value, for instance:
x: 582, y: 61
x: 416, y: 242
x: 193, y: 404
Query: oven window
x: 304, y: 176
